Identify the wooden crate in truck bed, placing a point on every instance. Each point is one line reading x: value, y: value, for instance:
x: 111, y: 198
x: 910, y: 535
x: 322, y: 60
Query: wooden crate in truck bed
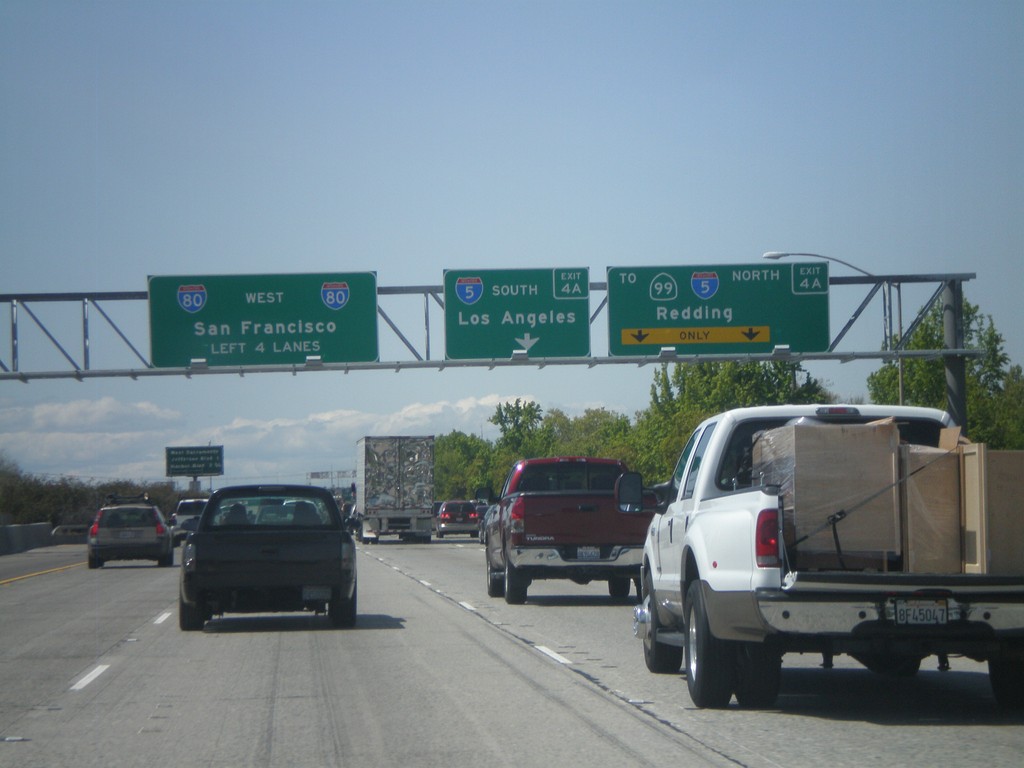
x: 825, y: 469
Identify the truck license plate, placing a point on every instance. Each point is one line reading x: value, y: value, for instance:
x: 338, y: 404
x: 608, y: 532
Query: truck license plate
x: 588, y: 553
x: 921, y: 612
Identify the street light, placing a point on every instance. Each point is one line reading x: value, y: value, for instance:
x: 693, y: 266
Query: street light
x: 886, y: 303
x: 775, y: 255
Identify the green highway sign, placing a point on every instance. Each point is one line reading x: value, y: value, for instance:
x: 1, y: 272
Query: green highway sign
x: 194, y: 460
x: 492, y: 313
x: 723, y: 309
x: 238, y: 320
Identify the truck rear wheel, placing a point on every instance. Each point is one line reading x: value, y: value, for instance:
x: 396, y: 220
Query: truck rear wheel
x: 660, y: 658
x: 709, y: 661
x: 515, y: 585
x: 191, y: 618
x: 340, y: 611
x: 495, y: 579
x: 618, y: 587
x: 1006, y: 676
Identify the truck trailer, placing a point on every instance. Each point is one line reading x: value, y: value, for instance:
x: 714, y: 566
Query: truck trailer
x: 395, y: 487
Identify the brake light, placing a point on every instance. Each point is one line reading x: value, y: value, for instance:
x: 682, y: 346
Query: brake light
x: 516, y: 515
x: 445, y: 516
x: 837, y: 410
x: 95, y: 529
x: 766, y: 538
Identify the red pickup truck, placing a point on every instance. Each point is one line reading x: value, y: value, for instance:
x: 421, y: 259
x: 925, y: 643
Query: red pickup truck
x: 557, y: 518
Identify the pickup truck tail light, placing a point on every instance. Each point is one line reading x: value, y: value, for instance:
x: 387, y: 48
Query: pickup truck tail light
x: 766, y: 538
x: 94, y: 530
x: 516, y: 517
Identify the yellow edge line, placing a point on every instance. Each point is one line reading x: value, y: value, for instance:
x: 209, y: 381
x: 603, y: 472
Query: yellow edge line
x: 39, y: 573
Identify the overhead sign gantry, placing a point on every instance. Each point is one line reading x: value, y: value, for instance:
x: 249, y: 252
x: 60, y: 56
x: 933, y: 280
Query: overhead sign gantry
x: 718, y: 309
x: 498, y: 313
x: 236, y: 320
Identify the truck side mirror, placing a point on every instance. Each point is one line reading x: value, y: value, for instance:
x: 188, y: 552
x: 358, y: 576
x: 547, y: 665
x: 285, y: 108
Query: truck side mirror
x: 629, y: 492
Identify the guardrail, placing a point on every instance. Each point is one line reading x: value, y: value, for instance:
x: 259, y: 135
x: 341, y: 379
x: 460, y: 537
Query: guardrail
x: 20, y: 538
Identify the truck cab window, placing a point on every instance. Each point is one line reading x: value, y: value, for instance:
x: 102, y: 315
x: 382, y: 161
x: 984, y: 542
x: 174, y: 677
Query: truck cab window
x: 677, y: 475
x: 698, y: 454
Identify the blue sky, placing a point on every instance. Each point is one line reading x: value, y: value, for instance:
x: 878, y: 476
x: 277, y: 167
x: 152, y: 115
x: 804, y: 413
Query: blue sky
x: 404, y: 138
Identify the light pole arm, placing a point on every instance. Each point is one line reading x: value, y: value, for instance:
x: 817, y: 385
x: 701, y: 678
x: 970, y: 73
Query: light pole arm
x: 775, y: 255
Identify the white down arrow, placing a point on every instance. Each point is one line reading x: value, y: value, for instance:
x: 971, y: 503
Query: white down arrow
x: 527, y: 341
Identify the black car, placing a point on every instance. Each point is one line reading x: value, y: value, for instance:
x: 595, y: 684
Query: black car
x: 268, y: 548
x: 458, y: 517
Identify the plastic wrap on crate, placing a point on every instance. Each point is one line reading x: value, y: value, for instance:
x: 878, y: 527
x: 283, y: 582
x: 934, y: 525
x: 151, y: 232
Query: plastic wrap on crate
x: 930, y: 509
x: 844, y: 473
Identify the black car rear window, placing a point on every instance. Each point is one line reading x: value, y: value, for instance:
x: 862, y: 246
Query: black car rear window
x: 270, y: 512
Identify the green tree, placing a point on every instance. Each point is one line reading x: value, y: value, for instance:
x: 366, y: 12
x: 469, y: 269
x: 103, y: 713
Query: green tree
x: 461, y: 465
x: 520, y: 426
x: 995, y: 396
x: 598, y: 432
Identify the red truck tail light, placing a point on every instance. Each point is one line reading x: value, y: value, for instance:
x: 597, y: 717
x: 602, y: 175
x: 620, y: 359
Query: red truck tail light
x: 517, y: 523
x: 766, y: 538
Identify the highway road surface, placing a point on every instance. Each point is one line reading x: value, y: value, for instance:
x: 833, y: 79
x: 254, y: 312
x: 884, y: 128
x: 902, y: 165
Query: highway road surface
x: 95, y: 672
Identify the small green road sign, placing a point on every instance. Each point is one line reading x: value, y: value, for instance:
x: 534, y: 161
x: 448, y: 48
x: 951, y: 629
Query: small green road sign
x: 723, y: 309
x: 194, y: 460
x: 238, y: 320
x: 492, y: 313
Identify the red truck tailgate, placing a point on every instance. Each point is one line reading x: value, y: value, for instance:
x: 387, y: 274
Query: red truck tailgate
x: 579, y: 519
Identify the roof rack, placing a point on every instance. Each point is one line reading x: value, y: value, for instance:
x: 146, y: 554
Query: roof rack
x: 114, y: 499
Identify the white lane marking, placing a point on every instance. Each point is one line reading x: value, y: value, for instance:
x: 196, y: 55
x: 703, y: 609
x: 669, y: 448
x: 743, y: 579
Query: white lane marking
x: 99, y: 670
x: 162, y: 617
x: 425, y: 583
x: 467, y: 606
x: 548, y: 652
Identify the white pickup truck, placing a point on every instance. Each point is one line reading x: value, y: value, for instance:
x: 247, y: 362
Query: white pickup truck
x: 743, y: 564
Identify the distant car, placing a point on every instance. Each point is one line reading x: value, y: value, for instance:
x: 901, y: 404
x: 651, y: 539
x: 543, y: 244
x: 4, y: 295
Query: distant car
x: 188, y: 509
x: 129, y: 529
x: 458, y: 517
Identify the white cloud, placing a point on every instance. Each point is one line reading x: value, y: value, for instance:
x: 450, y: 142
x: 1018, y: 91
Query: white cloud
x: 107, y: 438
x: 104, y: 414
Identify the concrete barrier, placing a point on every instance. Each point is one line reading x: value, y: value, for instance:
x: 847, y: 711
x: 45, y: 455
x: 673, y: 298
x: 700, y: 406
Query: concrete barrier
x: 19, y: 538
x: 69, y: 534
